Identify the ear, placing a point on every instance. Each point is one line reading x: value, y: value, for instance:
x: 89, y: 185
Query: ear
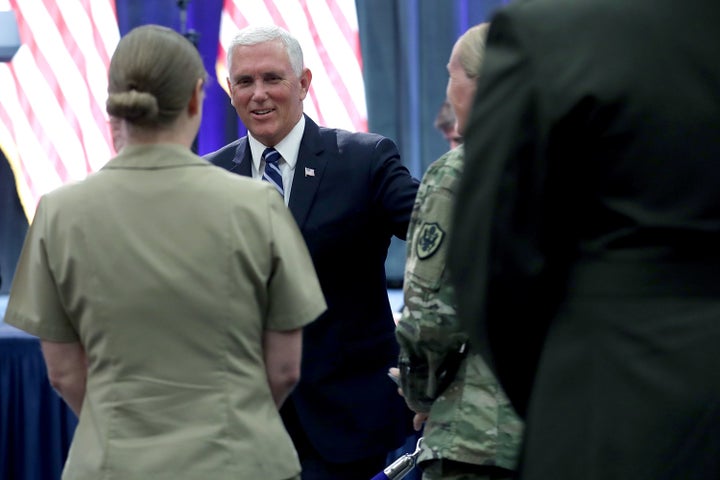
x: 305, y: 79
x: 229, y: 89
x: 195, y: 104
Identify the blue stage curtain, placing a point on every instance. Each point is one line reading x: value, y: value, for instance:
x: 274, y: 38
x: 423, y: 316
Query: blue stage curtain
x: 406, y: 45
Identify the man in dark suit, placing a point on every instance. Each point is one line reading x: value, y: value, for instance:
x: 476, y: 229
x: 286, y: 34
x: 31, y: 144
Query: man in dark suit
x: 349, y: 193
x: 585, y: 251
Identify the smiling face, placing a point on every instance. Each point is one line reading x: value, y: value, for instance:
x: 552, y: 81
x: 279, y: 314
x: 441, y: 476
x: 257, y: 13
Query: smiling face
x: 265, y: 91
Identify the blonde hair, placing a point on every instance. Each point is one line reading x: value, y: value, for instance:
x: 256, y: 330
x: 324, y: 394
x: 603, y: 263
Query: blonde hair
x: 152, y: 76
x: 471, y: 49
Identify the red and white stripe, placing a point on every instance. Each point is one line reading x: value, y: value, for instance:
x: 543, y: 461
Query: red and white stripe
x: 53, y: 124
x: 328, y: 33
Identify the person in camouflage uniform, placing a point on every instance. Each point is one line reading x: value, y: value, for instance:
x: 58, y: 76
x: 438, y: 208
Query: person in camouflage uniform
x: 471, y: 430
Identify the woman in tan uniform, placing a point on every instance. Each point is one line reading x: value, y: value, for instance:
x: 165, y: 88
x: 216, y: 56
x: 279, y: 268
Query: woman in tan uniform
x: 169, y: 295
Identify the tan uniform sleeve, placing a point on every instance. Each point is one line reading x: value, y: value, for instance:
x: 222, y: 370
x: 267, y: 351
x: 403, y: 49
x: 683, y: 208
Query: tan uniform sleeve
x: 35, y: 305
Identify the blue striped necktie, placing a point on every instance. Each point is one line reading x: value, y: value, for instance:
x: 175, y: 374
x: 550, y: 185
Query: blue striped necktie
x: 272, y: 169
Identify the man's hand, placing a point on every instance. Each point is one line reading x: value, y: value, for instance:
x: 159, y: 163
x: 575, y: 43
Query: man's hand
x: 419, y: 420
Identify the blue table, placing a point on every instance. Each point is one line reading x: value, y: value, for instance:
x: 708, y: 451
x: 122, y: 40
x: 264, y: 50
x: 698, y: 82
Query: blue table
x: 36, y: 427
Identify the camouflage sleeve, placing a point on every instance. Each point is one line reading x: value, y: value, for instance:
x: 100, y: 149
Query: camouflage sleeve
x: 428, y: 361
x: 431, y: 342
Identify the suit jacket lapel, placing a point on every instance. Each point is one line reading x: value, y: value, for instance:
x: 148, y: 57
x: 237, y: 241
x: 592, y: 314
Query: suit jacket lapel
x: 309, y: 171
x: 242, y: 161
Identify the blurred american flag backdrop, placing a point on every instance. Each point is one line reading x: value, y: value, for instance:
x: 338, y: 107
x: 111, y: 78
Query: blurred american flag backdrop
x: 53, y: 125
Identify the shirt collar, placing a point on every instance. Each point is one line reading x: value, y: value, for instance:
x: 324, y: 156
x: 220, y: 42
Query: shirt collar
x: 154, y: 156
x: 288, y: 147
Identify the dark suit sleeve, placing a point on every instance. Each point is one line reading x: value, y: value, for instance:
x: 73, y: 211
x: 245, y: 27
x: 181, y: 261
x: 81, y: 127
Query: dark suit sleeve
x: 502, y: 252
x: 225, y: 157
x: 393, y: 188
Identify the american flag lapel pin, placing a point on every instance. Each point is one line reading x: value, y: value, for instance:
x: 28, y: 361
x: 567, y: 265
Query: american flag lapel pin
x: 309, y: 172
